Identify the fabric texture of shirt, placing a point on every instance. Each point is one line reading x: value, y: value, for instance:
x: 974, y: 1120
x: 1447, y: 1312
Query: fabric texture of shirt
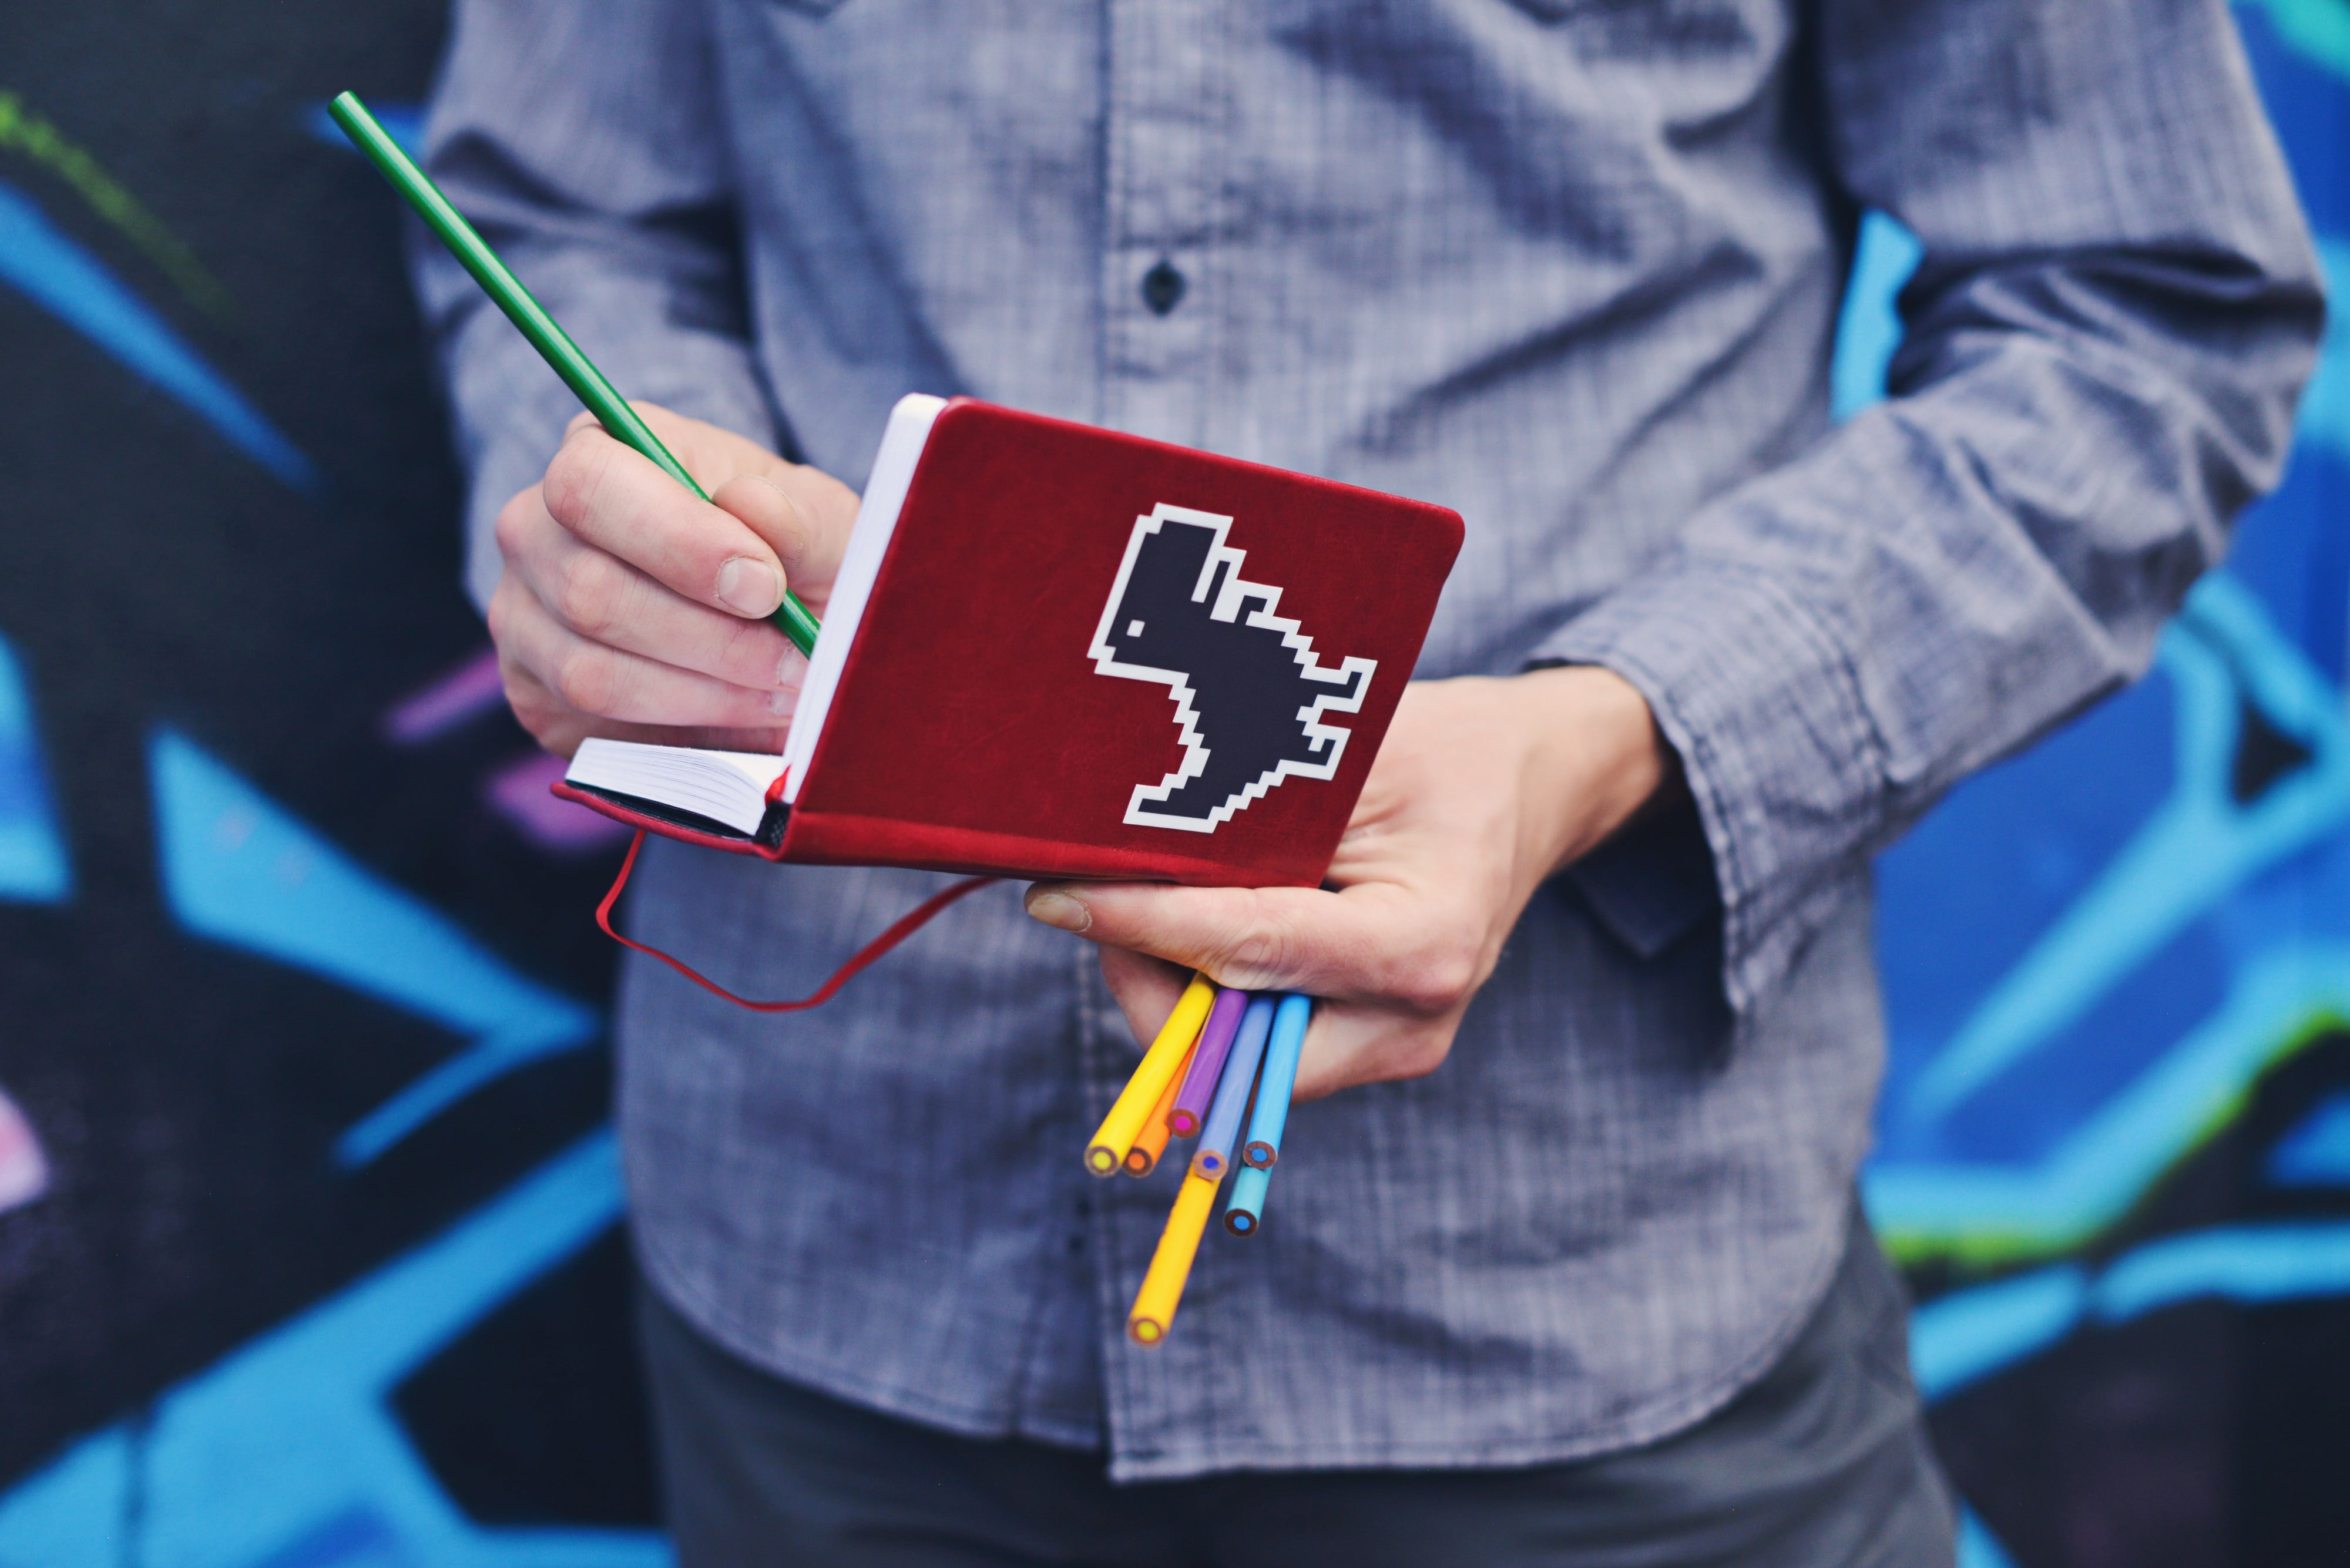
x: 1571, y: 267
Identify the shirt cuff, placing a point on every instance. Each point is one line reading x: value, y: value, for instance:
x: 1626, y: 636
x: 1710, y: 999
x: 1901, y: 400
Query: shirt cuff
x: 1765, y: 709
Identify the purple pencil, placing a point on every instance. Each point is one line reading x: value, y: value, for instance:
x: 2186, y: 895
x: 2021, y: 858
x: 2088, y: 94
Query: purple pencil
x: 1207, y: 1062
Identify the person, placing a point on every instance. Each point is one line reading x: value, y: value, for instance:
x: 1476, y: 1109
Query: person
x: 1564, y: 1263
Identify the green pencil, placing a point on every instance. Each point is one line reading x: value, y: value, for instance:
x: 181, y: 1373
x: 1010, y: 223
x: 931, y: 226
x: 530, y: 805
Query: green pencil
x: 552, y: 343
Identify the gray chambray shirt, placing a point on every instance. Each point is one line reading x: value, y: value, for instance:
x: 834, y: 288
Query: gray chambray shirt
x: 1569, y: 267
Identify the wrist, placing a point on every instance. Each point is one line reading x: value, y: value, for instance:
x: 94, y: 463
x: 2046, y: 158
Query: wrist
x: 1593, y: 757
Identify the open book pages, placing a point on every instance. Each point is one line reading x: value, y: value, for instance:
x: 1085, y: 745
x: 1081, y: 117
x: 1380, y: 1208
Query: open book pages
x: 877, y: 519
x: 727, y: 787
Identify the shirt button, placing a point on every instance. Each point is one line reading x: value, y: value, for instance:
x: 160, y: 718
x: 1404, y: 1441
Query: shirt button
x: 1162, y: 287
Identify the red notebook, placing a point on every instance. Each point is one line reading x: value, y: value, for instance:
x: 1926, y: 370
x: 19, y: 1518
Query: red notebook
x: 1055, y: 652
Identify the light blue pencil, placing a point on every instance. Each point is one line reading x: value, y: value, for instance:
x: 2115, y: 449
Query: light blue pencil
x: 1223, y: 1127
x: 1244, y: 1209
x: 1263, y: 1144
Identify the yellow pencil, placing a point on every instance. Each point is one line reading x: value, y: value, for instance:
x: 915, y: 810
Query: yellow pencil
x: 1157, y: 1129
x: 1162, y: 1287
x: 1159, y: 1066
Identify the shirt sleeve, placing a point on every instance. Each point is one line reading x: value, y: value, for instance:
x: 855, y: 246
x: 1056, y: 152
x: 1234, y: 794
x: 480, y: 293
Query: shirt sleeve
x: 584, y: 143
x: 2116, y: 306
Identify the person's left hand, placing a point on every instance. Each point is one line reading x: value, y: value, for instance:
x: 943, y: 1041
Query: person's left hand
x: 1484, y: 788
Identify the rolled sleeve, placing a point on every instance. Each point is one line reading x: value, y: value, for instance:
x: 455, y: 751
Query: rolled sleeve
x: 582, y: 141
x: 2116, y: 309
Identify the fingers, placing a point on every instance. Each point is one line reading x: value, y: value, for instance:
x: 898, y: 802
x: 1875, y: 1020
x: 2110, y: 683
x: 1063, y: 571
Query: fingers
x: 804, y: 514
x: 616, y: 500
x: 603, y: 682
x: 560, y: 728
x: 1370, y: 940
x: 604, y: 599
x: 1146, y: 988
x: 808, y: 533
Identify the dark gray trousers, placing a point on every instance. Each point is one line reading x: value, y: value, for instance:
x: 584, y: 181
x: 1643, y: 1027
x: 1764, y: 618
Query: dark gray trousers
x: 1822, y: 1464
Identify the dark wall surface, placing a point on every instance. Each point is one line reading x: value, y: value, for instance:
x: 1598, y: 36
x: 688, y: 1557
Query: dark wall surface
x: 309, y: 1245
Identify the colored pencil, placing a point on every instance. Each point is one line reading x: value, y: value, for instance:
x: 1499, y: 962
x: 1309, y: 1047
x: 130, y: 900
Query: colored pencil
x: 1107, y: 1153
x: 1171, y: 1265
x: 554, y: 345
x: 1143, y: 1157
x: 1207, y: 1062
x: 1223, y: 1127
x: 1263, y: 1144
x: 1244, y: 1209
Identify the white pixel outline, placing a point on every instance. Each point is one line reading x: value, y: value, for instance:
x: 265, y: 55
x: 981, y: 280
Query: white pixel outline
x: 1229, y: 600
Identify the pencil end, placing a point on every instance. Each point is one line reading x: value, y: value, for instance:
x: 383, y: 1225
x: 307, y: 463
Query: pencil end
x: 1145, y: 1331
x: 1101, y: 1159
x: 1240, y: 1221
x: 1258, y: 1154
x: 1139, y: 1161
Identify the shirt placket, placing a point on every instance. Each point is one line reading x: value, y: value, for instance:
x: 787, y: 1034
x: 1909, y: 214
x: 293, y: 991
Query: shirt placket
x: 1166, y: 103
x: 1168, y: 111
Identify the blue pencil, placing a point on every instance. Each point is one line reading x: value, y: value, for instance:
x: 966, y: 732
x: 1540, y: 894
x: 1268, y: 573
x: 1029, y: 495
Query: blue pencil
x: 1223, y: 1127
x: 1244, y: 1210
x: 1280, y: 1077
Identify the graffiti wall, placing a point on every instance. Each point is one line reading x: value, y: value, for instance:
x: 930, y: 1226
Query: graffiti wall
x: 309, y: 1251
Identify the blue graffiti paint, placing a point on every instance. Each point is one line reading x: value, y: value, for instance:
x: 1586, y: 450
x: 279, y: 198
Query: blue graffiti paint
x: 2316, y: 1152
x: 2324, y: 414
x: 1978, y: 1547
x: 2200, y: 847
x: 1971, y: 1333
x: 1963, y: 1337
x: 70, y: 283
x: 2318, y: 29
x: 33, y: 863
x: 2110, y: 1160
x: 240, y: 868
x: 1868, y: 329
x: 2250, y: 1264
x: 286, y: 1454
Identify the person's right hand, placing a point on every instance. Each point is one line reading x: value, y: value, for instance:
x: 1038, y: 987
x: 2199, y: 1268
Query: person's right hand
x: 629, y: 609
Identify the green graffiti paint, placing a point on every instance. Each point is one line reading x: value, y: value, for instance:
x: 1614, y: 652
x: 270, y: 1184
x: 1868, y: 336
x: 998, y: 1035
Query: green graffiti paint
x: 32, y: 137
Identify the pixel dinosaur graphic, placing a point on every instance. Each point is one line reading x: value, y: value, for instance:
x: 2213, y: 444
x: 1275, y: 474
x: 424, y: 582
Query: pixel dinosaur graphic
x: 1250, y: 695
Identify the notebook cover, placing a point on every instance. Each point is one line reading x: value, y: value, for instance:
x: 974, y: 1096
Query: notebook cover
x: 1088, y: 654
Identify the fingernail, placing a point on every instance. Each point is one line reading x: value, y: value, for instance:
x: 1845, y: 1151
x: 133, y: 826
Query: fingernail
x: 749, y: 587
x: 783, y: 704
x: 1060, y: 909
x: 791, y: 669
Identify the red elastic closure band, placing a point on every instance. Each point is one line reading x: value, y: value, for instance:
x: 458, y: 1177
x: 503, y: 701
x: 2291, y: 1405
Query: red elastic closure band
x: 913, y: 920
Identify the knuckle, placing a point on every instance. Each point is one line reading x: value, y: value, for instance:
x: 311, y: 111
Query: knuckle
x: 746, y: 648
x: 569, y: 488
x: 587, y: 594
x: 512, y: 527
x: 1439, y: 978
x: 1257, y: 948
x: 585, y: 679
